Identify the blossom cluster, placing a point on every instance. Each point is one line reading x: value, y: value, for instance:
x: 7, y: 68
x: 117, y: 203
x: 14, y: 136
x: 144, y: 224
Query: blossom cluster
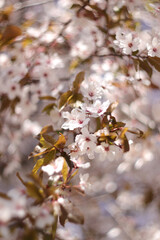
x: 130, y: 42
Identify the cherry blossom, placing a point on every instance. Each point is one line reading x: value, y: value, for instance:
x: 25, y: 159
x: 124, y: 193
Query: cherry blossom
x: 79, y: 162
x: 128, y: 43
x: 54, y: 167
x: 86, y: 142
x: 76, y: 119
x: 91, y: 90
x: 110, y: 152
x: 154, y: 47
x: 13, y: 90
x: 74, y: 150
x: 97, y: 109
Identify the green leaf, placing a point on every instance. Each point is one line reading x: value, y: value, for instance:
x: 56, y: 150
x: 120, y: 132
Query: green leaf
x: 50, y: 156
x: 60, y: 142
x: 64, y: 98
x: 38, y: 164
x: 125, y: 144
x: 49, y: 139
x: 123, y: 132
x: 50, y: 98
x: 76, y: 216
x: 78, y: 80
x: 74, y: 64
x: 10, y: 33
x: 49, y: 108
x: 65, y: 171
x: 155, y: 62
x: 34, y: 191
x: 47, y: 129
x: 112, y: 137
x: 75, y: 97
x: 72, y: 96
x: 75, y: 6
x: 41, y: 153
x: 44, y: 143
x: 144, y: 65
x: 4, y: 196
x: 63, y: 216
x: 119, y: 124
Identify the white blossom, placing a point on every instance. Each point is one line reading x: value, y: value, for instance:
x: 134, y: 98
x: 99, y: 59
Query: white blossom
x: 106, y: 151
x: 91, y: 90
x: 98, y: 108
x: 86, y: 142
x: 76, y: 119
x: 79, y: 162
x: 154, y: 47
x: 127, y: 42
x: 12, y: 90
x: 54, y: 167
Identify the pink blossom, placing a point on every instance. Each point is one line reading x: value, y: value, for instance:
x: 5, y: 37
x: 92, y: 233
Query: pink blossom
x: 86, y: 142
x: 76, y: 119
x: 54, y: 167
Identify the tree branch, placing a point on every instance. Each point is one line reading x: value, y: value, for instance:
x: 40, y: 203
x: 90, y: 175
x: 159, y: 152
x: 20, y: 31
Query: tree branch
x: 20, y: 6
x: 120, y: 55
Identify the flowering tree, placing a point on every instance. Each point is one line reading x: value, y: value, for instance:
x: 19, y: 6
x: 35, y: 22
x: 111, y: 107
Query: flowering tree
x: 82, y: 77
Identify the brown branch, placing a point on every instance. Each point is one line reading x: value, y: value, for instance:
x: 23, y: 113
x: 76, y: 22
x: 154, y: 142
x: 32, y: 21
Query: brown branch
x: 83, y: 7
x: 120, y: 55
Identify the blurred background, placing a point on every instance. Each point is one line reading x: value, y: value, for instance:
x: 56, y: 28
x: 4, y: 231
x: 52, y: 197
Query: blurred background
x: 59, y: 39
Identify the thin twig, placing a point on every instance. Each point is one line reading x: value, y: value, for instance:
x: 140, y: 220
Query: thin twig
x: 83, y: 7
x: 20, y: 6
x: 120, y: 55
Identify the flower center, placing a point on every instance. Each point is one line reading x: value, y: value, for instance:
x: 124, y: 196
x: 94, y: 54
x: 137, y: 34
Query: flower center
x: 91, y: 94
x: 80, y: 121
x: 99, y: 110
x: 45, y: 74
x: 13, y: 88
x: 130, y: 45
x: 88, y: 139
x: 106, y: 149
